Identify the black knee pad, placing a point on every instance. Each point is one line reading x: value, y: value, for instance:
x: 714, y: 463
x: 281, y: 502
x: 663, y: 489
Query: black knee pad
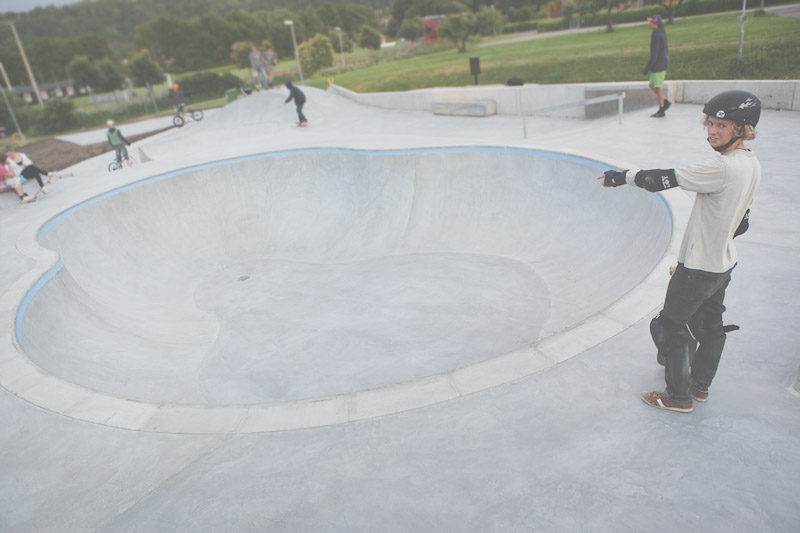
x: 704, y: 331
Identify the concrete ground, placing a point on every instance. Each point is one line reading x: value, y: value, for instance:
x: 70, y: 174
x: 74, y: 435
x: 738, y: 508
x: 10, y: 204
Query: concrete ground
x: 387, y: 321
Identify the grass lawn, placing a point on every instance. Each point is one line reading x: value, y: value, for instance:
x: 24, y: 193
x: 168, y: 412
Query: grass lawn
x: 699, y: 48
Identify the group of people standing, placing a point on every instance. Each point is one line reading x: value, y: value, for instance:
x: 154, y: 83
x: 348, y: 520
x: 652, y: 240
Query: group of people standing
x: 263, y: 64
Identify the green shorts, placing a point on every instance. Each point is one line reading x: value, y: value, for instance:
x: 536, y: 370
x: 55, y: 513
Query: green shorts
x: 657, y: 78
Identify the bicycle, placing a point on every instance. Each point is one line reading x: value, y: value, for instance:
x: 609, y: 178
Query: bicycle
x: 116, y: 164
x: 194, y: 115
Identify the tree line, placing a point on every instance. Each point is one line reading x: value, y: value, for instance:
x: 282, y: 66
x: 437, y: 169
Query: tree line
x: 178, y: 35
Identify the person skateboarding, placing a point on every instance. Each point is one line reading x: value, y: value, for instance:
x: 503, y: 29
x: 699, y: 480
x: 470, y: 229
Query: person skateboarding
x: 299, y: 101
x: 688, y: 332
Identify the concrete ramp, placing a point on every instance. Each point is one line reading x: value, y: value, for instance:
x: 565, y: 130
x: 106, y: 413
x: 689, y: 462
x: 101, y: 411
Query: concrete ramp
x: 327, y: 272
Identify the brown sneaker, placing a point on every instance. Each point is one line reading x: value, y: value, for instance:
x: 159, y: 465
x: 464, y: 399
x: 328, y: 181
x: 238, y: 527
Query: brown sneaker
x: 701, y: 395
x: 660, y: 401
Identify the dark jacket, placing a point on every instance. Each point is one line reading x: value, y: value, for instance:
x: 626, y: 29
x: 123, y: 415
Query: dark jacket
x: 297, y: 94
x: 659, y: 55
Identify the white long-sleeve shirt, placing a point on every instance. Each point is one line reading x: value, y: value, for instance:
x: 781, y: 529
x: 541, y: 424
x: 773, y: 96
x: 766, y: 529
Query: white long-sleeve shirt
x: 26, y: 161
x: 725, y: 186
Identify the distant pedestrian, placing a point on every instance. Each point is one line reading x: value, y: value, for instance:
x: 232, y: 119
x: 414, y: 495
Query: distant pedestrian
x: 299, y: 101
x: 259, y: 65
x: 118, y: 142
x: 658, y: 64
x: 270, y: 61
x: 22, y: 165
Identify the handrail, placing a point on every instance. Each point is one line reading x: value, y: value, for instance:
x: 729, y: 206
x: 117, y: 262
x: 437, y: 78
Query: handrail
x: 619, y: 97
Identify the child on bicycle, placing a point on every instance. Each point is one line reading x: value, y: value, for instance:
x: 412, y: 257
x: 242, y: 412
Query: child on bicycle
x: 179, y: 100
x: 118, y: 142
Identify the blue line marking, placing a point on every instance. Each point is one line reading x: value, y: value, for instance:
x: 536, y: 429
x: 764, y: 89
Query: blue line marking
x: 354, y: 151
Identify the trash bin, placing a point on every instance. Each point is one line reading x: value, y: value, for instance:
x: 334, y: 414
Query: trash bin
x: 231, y: 95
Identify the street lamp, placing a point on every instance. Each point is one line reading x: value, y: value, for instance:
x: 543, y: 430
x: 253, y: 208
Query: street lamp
x: 296, y: 55
x: 341, y: 46
x: 27, y: 66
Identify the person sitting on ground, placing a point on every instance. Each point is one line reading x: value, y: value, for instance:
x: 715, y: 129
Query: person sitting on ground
x: 22, y: 165
x: 299, y: 101
x: 178, y: 99
x: 11, y: 179
x: 118, y: 142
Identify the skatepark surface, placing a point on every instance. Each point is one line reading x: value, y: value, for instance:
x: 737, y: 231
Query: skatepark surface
x: 388, y: 321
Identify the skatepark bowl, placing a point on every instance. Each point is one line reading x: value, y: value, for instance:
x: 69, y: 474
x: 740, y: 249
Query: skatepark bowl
x: 358, y: 283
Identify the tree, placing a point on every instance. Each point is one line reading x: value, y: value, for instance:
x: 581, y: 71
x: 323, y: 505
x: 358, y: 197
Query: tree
x: 412, y: 29
x: 84, y: 73
x: 316, y: 54
x: 111, y: 78
x: 240, y: 53
x: 370, y: 38
x: 458, y: 29
x: 488, y: 21
x: 144, y: 70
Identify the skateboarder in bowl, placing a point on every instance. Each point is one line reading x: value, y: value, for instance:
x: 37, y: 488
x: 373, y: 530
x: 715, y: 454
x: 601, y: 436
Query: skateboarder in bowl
x: 688, y: 331
x: 299, y: 101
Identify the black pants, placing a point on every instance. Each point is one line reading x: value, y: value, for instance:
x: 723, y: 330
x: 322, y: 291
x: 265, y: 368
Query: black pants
x: 300, y: 116
x: 32, y: 172
x: 693, y: 310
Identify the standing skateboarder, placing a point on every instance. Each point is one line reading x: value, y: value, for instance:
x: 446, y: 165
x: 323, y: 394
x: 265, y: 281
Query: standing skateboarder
x: 693, y: 306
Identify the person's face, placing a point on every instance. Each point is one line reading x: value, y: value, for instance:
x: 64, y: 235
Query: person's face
x: 653, y: 25
x: 720, y: 131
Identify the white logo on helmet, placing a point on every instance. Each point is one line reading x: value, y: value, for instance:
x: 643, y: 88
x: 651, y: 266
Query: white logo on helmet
x: 747, y: 103
x: 721, y: 113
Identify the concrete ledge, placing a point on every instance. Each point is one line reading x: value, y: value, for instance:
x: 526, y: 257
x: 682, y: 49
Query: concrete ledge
x: 465, y: 108
x: 774, y: 94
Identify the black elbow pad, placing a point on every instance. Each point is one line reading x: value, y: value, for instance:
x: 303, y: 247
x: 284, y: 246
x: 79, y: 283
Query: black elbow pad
x: 657, y: 179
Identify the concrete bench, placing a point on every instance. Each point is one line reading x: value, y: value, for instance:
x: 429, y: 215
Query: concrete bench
x: 465, y: 108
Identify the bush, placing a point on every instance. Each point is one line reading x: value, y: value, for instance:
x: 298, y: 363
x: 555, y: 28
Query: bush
x: 315, y: 54
x: 208, y: 85
x: 553, y: 24
x: 516, y: 27
x: 370, y: 38
x: 57, y: 115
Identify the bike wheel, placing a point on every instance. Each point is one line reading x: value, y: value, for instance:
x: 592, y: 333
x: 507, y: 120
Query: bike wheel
x: 197, y: 115
x: 114, y: 165
x: 178, y: 121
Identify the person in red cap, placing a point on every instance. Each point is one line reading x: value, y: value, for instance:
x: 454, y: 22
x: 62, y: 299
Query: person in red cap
x: 658, y: 63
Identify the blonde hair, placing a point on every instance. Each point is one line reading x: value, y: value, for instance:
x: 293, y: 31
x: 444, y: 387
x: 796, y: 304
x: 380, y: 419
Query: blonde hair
x: 746, y: 132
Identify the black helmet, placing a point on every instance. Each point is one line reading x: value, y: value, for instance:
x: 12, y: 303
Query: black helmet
x: 739, y: 106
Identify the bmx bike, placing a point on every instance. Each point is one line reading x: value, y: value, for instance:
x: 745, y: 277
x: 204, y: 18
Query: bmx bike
x: 189, y: 114
x: 117, y: 164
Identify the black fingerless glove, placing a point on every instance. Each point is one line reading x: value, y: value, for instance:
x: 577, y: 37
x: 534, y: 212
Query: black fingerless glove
x: 614, y: 178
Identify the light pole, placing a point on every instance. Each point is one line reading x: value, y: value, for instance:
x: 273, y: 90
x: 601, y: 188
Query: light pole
x: 8, y: 104
x: 742, y: 19
x: 341, y: 46
x: 27, y: 67
x: 296, y: 55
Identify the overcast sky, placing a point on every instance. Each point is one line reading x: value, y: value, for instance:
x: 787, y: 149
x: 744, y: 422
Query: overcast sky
x: 30, y: 5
